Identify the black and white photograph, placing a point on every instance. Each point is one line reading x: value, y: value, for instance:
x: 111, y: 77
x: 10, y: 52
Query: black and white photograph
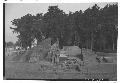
x: 60, y: 41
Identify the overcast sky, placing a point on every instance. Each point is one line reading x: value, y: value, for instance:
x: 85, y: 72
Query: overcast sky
x: 14, y: 11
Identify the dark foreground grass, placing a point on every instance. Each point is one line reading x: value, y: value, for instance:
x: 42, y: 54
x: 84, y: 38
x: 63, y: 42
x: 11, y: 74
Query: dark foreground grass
x: 19, y: 70
x: 32, y: 71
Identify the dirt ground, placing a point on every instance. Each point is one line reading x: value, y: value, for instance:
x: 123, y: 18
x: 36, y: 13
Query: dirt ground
x: 21, y: 70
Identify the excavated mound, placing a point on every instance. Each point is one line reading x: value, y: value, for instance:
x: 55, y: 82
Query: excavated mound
x: 36, y: 53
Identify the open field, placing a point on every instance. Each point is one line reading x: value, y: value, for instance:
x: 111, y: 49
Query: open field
x: 21, y: 70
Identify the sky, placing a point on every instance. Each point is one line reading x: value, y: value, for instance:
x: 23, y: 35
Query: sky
x: 17, y: 10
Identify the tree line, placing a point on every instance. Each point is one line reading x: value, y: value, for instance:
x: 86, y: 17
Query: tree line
x: 95, y: 28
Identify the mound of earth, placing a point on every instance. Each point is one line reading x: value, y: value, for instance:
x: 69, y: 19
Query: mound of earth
x: 36, y: 53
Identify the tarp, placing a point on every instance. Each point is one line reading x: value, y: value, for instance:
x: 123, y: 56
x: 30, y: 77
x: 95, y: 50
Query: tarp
x: 72, y: 50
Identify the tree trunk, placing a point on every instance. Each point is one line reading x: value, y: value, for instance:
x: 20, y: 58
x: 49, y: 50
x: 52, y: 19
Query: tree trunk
x: 25, y: 48
x: 113, y: 45
x: 30, y: 47
x: 87, y: 44
x: 91, y: 41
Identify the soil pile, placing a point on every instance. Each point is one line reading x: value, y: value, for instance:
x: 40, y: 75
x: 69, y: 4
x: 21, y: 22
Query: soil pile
x: 36, y: 53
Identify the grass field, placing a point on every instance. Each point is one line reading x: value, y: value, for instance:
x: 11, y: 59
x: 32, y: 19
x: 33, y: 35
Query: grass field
x: 21, y: 70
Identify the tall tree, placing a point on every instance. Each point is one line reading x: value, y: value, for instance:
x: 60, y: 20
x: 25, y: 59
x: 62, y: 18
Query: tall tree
x: 91, y: 22
x: 23, y: 28
x: 109, y: 24
x: 55, y: 18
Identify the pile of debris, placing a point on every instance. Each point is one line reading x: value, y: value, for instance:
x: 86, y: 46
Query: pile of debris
x: 72, y: 63
x: 107, y: 57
